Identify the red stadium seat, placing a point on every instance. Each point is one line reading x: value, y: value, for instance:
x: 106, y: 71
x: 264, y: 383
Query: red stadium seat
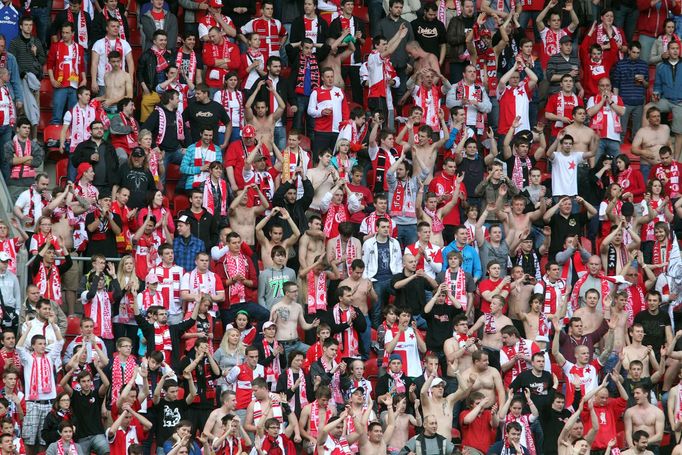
x: 58, y: 5
x: 46, y: 91
x: 73, y: 326
x: 51, y: 134
x: 180, y: 202
x: 62, y: 171
x: 173, y: 172
x: 305, y: 142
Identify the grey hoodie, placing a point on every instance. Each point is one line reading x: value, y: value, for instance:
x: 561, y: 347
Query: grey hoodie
x: 270, y: 282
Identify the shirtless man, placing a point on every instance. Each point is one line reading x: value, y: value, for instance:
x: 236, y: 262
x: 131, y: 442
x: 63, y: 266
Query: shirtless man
x: 649, y: 139
x: 637, y: 351
x: 435, y: 403
x: 640, y: 442
x: 312, y: 242
x: 375, y: 440
x: 643, y: 416
x: 459, y: 347
x: 426, y: 150
x: 585, y: 139
x: 486, y: 379
x: 276, y: 234
x: 492, y: 323
x: 574, y: 429
x: 515, y: 218
x: 589, y: 315
x: 118, y: 83
x: 531, y: 317
x: 618, y: 319
x: 288, y: 314
x: 243, y: 218
x: 323, y: 177
x: 256, y: 112
x: 613, y: 251
x: 214, y: 427
x: 520, y: 292
x: 324, y: 411
x: 346, y: 249
x: 362, y: 291
x: 422, y: 59
x: 334, y: 57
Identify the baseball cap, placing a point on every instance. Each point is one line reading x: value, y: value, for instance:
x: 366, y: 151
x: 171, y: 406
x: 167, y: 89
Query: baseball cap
x: 269, y: 324
x: 138, y: 152
x: 437, y: 382
x: 565, y: 39
x: 183, y: 219
x: 151, y: 278
x: 4, y: 257
x: 249, y: 131
x: 82, y: 169
x: 215, y: 4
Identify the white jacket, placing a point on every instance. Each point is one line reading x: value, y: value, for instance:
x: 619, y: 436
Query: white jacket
x: 370, y: 256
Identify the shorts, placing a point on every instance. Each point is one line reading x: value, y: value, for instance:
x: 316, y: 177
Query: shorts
x: 71, y: 279
x: 33, y: 422
x: 676, y: 108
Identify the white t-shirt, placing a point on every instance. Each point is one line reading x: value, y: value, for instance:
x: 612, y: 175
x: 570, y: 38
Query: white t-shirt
x: 565, y: 173
x: 101, y: 50
x: 24, y: 203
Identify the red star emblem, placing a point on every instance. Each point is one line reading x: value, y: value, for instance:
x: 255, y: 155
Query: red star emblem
x: 77, y: 235
x: 132, y: 441
x: 337, y: 94
x: 411, y: 336
x: 571, y: 165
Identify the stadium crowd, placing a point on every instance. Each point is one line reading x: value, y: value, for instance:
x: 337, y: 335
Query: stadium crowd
x: 403, y: 227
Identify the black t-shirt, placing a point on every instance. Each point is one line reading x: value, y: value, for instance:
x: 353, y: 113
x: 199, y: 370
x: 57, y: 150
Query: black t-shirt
x: 474, y: 173
x: 168, y: 415
x: 140, y: 182
x: 429, y: 34
x: 411, y: 295
x: 441, y: 321
x: 103, y: 239
x: 654, y: 328
x: 564, y: 227
x: 87, y: 410
x: 202, y: 116
x: 185, y: 62
x: 540, y: 387
x: 552, y: 423
x: 630, y: 385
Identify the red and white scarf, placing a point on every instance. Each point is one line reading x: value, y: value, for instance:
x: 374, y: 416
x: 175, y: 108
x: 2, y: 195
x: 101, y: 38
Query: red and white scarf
x: 521, y: 365
x: 81, y: 118
x: 600, y: 120
x: 501, y: 7
x: 273, y: 370
x: 436, y: 222
x: 658, y: 257
x: 605, y: 280
x: 462, y: 92
x: 226, y: 96
x: 72, y: 448
x: 336, y: 214
x: 552, y: 38
x: 314, y: 427
x: 121, y: 29
x: 403, y: 203
x: 162, y: 126
x: 603, y: 38
x: 100, y: 312
x: 666, y: 40
x: 7, y: 112
x: 524, y: 421
x: 678, y: 413
x: 317, y: 292
x: 131, y: 138
x: 149, y: 299
x: 459, y: 290
x: 203, y: 155
x: 275, y: 407
x: 42, y: 378
x: 209, y: 200
x: 192, y: 69
x: 161, y: 62
x: 561, y: 106
x: 429, y: 101
x: 348, y: 339
x: 81, y: 27
x: 302, y: 392
x: 117, y: 47
x: 398, y: 381
x: 118, y: 378
x: 490, y: 324
x: 49, y: 282
x: 22, y: 171
x: 517, y: 170
x: 236, y: 265
x: 162, y: 340
x: 68, y: 57
x: 351, y: 254
x: 335, y: 384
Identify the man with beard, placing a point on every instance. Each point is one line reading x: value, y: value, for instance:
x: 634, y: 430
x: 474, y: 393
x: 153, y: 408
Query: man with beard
x: 205, y: 113
x: 101, y: 155
x: 137, y: 178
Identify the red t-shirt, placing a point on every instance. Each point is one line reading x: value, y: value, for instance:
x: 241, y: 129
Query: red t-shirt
x: 490, y: 285
x: 444, y: 184
x: 122, y: 439
x: 479, y: 434
x: 608, y: 417
x: 365, y: 197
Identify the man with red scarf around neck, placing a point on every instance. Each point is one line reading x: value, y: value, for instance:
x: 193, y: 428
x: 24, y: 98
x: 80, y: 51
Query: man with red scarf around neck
x: 152, y: 70
x: 66, y: 68
x: 39, y: 379
x: 65, y: 445
x: 220, y: 57
x: 593, y: 279
x: 331, y: 440
x: 381, y: 72
x: 605, y: 108
x: 273, y: 441
x: 334, y: 209
x: 159, y: 335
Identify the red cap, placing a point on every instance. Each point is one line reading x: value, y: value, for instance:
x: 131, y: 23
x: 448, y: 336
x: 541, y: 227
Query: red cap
x: 82, y: 168
x: 215, y: 4
x: 249, y: 131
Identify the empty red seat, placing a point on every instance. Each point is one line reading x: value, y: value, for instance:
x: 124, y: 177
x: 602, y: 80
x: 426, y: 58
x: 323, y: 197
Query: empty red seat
x: 73, y: 325
x: 62, y: 171
x: 305, y: 142
x: 180, y: 202
x: 173, y: 172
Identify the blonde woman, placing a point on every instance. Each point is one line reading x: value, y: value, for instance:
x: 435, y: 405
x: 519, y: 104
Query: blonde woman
x: 342, y: 161
x: 229, y: 354
x: 154, y: 159
x: 124, y: 321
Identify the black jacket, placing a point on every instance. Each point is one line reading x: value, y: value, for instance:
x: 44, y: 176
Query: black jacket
x: 298, y: 30
x: 146, y: 68
x: 170, y: 139
x: 86, y: 149
x: 62, y: 18
x: 298, y: 208
x: 359, y: 324
x: 176, y: 331
x: 99, y: 25
x: 285, y: 90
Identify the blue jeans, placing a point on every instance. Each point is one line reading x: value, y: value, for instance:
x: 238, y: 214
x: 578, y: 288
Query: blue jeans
x: 41, y: 17
x: 280, y: 137
x: 634, y: 113
x: 625, y: 18
x: 645, y: 169
x: 647, y: 43
x: 6, y: 133
x: 383, y: 289
x: 97, y: 443
x: 421, y: 322
x: 62, y: 98
x: 302, y: 105
x: 236, y: 134
x: 608, y: 146
x: 297, y: 346
x: 172, y: 157
x: 376, y: 12
x: 524, y: 18
x: 407, y: 234
x: 366, y: 338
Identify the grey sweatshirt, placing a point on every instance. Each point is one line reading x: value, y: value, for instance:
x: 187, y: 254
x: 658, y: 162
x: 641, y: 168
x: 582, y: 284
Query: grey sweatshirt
x: 270, y: 282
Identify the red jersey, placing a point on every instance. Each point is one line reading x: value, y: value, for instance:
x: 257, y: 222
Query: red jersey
x: 444, y: 184
x: 215, y: 76
x: 489, y: 284
x: 562, y: 105
x: 608, y: 417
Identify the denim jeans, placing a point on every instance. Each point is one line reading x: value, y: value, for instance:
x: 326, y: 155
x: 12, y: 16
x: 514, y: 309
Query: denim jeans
x: 280, y: 137
x: 297, y: 346
x: 625, y: 18
x: 236, y: 134
x: 366, y: 338
x: 407, y: 234
x: 41, y: 17
x: 6, y: 133
x: 634, y: 113
x: 647, y: 43
x: 608, y: 146
x: 302, y: 105
x: 524, y: 18
x: 383, y: 289
x: 62, y: 99
x: 645, y: 169
x: 172, y: 157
